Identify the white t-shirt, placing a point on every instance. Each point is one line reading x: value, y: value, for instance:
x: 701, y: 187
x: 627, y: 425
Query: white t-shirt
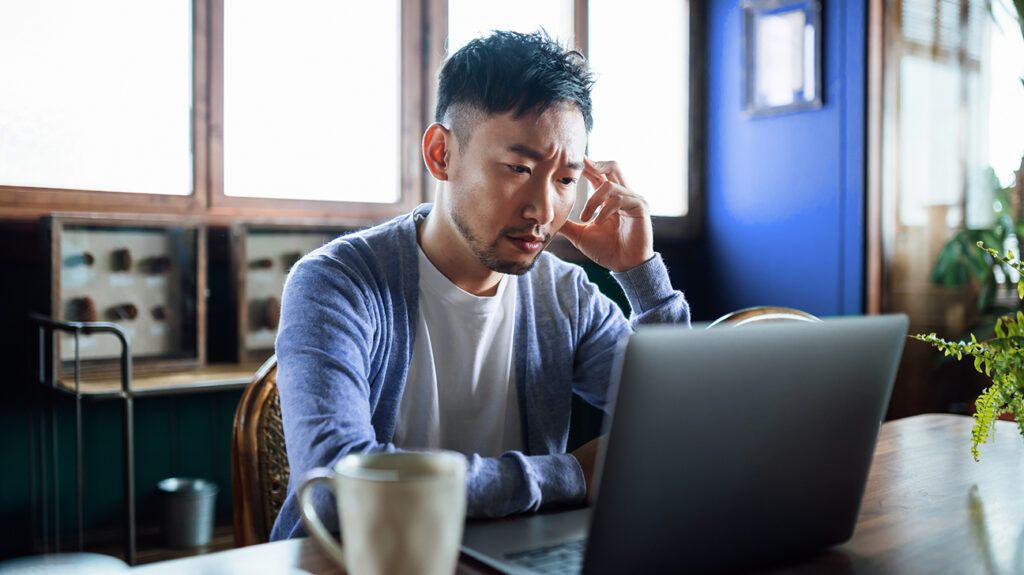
x: 460, y: 393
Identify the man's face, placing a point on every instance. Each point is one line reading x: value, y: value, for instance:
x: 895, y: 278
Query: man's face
x: 513, y: 184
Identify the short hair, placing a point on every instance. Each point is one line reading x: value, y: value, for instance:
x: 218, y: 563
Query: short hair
x: 511, y: 71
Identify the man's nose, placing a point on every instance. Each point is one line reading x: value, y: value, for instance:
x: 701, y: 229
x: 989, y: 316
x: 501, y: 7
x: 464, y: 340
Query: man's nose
x: 540, y: 207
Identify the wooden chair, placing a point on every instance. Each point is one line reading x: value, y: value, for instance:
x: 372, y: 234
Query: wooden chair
x: 259, y: 459
x: 764, y: 313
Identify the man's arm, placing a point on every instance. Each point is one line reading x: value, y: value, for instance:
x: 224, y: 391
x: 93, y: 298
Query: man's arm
x: 331, y: 365
x: 621, y: 239
x: 617, y: 234
x: 604, y: 330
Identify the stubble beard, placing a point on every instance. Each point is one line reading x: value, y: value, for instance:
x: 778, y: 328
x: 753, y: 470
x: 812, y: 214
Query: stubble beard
x: 488, y: 253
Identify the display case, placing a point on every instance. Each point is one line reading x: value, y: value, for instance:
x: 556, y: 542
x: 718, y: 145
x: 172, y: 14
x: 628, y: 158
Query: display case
x: 262, y: 256
x: 145, y: 274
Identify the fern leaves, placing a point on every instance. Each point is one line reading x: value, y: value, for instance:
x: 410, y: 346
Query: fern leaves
x: 1000, y: 358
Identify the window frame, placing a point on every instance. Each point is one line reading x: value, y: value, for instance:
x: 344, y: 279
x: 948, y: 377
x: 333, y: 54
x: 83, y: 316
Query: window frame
x: 690, y: 225
x: 18, y: 202
x: 409, y: 162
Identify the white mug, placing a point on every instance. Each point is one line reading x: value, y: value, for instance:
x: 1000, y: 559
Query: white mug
x: 399, y: 512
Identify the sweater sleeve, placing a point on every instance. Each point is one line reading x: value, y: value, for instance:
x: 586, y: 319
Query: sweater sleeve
x: 650, y: 294
x: 518, y: 483
x: 329, y: 366
x: 324, y: 357
x: 604, y: 330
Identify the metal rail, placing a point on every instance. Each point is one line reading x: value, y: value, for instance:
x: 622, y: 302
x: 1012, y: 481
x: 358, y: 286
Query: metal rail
x: 47, y: 376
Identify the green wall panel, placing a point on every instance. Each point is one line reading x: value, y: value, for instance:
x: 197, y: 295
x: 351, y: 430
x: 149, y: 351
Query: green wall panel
x: 174, y: 436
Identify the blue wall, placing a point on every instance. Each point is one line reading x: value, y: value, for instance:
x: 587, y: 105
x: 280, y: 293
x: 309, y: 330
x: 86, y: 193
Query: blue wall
x: 785, y: 194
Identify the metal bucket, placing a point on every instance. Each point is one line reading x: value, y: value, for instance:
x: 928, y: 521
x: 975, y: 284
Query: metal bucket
x: 188, y: 511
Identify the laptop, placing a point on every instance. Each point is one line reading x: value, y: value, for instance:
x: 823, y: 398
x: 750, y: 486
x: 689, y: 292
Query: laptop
x: 727, y: 449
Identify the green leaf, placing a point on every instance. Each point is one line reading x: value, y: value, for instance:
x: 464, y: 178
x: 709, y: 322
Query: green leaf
x: 1000, y: 358
x: 986, y: 412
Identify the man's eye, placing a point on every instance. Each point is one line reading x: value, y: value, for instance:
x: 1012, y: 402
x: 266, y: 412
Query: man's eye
x: 519, y: 169
x: 567, y: 181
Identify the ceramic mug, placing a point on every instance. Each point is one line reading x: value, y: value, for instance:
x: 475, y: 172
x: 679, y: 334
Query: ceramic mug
x: 399, y: 512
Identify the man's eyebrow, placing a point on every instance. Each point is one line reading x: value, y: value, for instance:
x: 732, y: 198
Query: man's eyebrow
x: 524, y: 150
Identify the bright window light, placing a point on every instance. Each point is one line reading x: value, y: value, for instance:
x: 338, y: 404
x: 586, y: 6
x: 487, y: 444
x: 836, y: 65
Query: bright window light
x: 312, y: 106
x: 640, y: 54
x: 468, y: 19
x: 96, y: 95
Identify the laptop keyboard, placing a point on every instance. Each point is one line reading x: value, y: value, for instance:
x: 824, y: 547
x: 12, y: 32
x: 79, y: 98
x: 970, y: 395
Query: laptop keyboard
x: 562, y: 558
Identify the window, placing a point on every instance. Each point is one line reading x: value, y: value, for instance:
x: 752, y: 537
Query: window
x: 321, y: 107
x: 313, y: 114
x: 468, y: 19
x: 257, y: 108
x: 639, y: 52
x: 90, y: 103
x: 941, y: 49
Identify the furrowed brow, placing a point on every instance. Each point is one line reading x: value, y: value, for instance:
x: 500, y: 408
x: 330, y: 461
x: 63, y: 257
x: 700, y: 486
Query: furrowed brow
x: 524, y: 150
x: 535, y: 155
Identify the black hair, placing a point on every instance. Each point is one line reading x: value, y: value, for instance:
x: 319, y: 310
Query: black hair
x: 512, y: 71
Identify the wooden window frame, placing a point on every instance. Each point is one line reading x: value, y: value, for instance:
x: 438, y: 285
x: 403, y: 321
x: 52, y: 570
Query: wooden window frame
x: 409, y: 163
x: 886, y: 48
x: 207, y: 198
x: 23, y: 202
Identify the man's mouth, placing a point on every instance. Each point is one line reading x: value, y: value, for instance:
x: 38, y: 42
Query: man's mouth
x: 529, y: 243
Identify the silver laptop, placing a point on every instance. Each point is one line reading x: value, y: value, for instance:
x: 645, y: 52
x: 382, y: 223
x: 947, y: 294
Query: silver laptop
x: 728, y: 449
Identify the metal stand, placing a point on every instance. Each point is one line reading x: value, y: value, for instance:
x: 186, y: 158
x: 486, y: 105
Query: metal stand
x: 47, y: 377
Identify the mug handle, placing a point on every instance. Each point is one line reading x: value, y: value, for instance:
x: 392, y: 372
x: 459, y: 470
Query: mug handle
x: 311, y: 520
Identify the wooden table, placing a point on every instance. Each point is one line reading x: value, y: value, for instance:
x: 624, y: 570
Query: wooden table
x: 928, y: 508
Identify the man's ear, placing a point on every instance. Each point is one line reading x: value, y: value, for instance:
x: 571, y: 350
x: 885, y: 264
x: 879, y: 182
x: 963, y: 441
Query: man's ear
x: 437, y: 146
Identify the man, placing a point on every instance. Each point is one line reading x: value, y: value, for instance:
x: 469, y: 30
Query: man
x: 450, y: 327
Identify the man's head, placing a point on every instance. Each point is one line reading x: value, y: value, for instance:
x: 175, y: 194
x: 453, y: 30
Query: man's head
x: 510, y: 72
x: 513, y: 113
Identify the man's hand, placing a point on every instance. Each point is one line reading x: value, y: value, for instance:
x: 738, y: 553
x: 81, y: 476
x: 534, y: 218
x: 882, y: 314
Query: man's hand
x: 586, y: 454
x: 620, y: 237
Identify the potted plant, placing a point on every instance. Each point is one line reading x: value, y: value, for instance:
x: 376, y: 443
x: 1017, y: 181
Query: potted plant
x: 1000, y: 358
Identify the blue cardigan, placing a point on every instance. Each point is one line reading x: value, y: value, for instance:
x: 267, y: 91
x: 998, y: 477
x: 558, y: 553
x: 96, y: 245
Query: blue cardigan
x: 348, y: 319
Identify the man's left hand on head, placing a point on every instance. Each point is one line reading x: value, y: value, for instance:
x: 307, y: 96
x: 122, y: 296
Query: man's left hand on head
x: 620, y: 237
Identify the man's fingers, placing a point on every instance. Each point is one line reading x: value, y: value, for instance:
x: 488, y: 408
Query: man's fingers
x: 573, y: 231
x: 609, y: 207
x: 609, y: 170
x: 595, y: 178
x: 589, y: 167
x: 600, y: 193
x: 592, y: 173
x: 633, y: 204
